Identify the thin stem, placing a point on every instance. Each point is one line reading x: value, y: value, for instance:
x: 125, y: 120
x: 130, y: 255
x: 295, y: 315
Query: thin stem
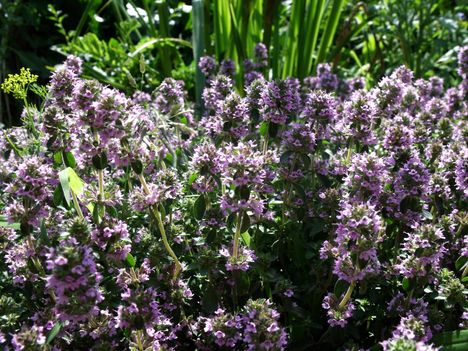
x: 178, y: 265
x: 101, y: 184
x: 350, y: 151
x: 77, y: 205
x: 265, y: 143
x: 347, y: 296
x: 157, y: 215
x: 235, y: 247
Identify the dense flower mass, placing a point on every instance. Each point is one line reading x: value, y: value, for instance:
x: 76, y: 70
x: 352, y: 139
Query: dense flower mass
x: 285, y: 215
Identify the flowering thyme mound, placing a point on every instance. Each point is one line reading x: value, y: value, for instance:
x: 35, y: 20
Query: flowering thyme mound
x: 313, y: 215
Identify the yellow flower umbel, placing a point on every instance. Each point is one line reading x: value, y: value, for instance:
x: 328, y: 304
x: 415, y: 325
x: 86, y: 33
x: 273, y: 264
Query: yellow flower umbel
x: 17, y: 84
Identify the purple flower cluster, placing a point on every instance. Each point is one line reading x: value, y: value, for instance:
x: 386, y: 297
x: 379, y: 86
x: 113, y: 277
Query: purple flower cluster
x: 254, y: 328
x: 74, y: 281
x: 354, y: 248
x: 240, y: 263
x: 337, y: 316
x: 422, y: 252
x: 169, y: 96
x: 280, y: 100
x: 164, y: 185
x: 124, y: 222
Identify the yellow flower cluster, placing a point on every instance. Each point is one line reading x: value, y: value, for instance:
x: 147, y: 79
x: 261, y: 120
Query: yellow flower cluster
x: 17, y: 84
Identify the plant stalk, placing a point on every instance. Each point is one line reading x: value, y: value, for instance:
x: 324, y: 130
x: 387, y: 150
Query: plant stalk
x: 157, y: 215
x: 235, y: 246
x: 347, y: 296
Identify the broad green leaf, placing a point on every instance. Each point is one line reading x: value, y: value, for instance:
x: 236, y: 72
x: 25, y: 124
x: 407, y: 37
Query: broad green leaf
x: 340, y: 288
x: 130, y: 260
x: 69, y: 159
x: 65, y: 184
x: 53, y: 332
x: 406, y: 284
x: 245, y: 223
x: 461, y: 263
x: 246, y: 238
x: 15, y: 226
x: 76, y: 183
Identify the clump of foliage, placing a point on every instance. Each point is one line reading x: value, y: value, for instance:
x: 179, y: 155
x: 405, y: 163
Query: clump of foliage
x: 308, y: 214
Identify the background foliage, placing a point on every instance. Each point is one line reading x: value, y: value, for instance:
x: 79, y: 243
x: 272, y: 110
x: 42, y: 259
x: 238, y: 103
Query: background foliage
x: 113, y: 37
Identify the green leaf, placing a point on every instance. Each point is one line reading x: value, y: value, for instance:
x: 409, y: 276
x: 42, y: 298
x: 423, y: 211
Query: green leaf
x: 43, y: 232
x: 243, y: 192
x: 76, y: 183
x: 69, y: 159
x: 452, y: 341
x: 65, y: 184
x: 15, y: 226
x: 130, y: 260
x: 427, y: 215
x: 199, y: 207
x: 145, y: 45
x: 53, y: 333
x: 340, y: 288
x: 58, y: 196
x: 58, y: 158
x: 286, y: 156
x: 263, y: 130
x: 461, y: 263
x: 142, y: 64
x: 245, y: 223
x: 406, y: 284
x: 193, y: 177
x: 137, y: 167
x: 100, y: 161
x: 246, y: 238
x: 98, y: 213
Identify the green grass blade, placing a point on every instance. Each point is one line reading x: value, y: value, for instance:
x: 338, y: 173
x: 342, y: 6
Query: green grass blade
x: 330, y: 29
x: 291, y: 49
x: 198, y: 38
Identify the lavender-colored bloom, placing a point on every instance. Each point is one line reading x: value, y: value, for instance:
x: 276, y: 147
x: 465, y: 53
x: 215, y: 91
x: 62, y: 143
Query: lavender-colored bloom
x: 205, y: 161
x: 320, y: 110
x: 74, y: 278
x: 164, y: 185
x: 326, y: 79
x: 261, y: 56
x: 410, y: 182
x: 337, y: 316
x: 254, y: 328
x: 389, y: 92
x: 62, y: 83
x: 358, y: 118
x: 298, y: 138
x: 240, y: 263
x: 461, y: 174
x: 366, y: 177
x: 463, y: 62
x: 422, y: 252
x: 253, y: 92
x: 17, y: 256
x: 29, y: 339
x: 357, y: 235
x: 218, y: 88
x: 227, y: 68
x: 169, y: 96
x: 112, y: 237
x: 402, y: 343
x: 280, y: 100
x: 207, y: 65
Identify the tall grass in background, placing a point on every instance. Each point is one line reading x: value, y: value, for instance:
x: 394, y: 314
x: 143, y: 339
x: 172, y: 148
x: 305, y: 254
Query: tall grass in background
x: 299, y: 34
